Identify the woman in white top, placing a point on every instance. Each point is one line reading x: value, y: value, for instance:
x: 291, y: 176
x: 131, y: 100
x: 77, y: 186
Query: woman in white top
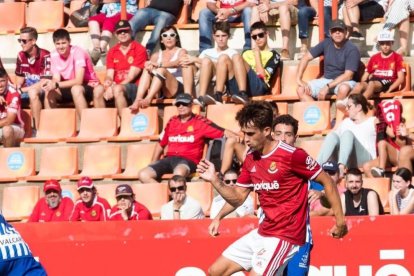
x: 353, y: 142
x: 163, y: 72
x: 401, y: 197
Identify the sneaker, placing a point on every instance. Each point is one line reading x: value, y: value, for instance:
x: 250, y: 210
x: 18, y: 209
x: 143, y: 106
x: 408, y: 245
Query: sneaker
x: 95, y: 55
x: 377, y: 172
x: 240, y: 98
x: 356, y: 36
x: 284, y: 55
x: 217, y: 98
x: 200, y: 101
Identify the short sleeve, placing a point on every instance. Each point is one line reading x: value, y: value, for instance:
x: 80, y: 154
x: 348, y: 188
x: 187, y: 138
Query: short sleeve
x: 304, y: 165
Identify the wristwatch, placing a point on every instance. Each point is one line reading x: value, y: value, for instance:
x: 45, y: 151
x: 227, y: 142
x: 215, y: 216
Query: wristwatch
x: 176, y: 210
x: 57, y: 85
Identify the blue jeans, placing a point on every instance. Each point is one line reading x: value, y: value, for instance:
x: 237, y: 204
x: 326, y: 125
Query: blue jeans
x: 206, y: 20
x: 150, y: 16
x: 306, y: 13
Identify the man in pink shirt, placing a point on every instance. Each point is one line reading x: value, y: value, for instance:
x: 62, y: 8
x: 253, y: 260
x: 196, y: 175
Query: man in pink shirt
x: 73, y: 77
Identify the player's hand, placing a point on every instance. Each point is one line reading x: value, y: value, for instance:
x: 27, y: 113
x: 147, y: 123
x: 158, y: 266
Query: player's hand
x: 213, y: 228
x: 206, y: 170
x: 339, y: 231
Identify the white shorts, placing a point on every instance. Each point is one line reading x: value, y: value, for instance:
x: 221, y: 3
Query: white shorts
x: 265, y: 255
x: 17, y: 130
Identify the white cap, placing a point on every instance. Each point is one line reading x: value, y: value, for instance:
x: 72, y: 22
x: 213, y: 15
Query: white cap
x: 385, y: 36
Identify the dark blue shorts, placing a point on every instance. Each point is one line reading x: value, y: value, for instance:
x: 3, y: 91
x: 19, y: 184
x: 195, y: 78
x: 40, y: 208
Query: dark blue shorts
x: 27, y: 266
x: 168, y: 164
x: 255, y: 85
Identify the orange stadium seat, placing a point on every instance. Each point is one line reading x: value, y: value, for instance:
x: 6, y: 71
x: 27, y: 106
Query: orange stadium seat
x: 96, y: 124
x: 198, y: 5
x: 70, y: 191
x: 19, y: 201
x: 100, y: 161
x: 138, y: 156
x: 55, y: 125
x: 382, y: 186
x: 28, y: 120
x: 203, y: 193
x: 171, y: 110
x: 107, y: 191
x: 13, y: 15
x: 56, y: 162
x: 16, y: 163
x: 138, y: 126
x: 313, y: 117
x: 152, y: 195
x: 405, y: 87
x: 45, y: 15
x: 224, y: 115
x: 74, y: 6
x: 312, y: 147
x: 282, y: 107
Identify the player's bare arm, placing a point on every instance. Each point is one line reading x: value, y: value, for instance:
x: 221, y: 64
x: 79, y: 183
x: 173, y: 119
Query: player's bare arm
x: 331, y: 193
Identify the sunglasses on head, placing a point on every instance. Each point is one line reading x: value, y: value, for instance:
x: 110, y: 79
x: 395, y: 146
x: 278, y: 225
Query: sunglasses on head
x: 182, y: 104
x: 24, y: 41
x: 179, y: 188
x: 259, y: 35
x: 228, y: 181
x: 165, y: 35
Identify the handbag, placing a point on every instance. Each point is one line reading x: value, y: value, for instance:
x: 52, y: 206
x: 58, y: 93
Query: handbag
x: 80, y: 17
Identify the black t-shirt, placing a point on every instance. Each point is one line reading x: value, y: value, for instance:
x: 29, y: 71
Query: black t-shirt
x: 170, y: 6
x: 362, y: 208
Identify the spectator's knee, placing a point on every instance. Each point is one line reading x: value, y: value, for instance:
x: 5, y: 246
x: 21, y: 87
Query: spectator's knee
x: 77, y: 91
x: 98, y: 91
x: 343, y: 90
x: 7, y: 132
x: 34, y: 94
x: 215, y: 270
x: 118, y: 91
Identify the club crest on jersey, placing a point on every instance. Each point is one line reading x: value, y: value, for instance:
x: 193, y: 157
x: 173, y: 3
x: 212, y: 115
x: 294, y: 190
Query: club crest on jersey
x: 58, y: 214
x: 190, y: 129
x: 310, y: 163
x: 93, y: 213
x: 272, y: 168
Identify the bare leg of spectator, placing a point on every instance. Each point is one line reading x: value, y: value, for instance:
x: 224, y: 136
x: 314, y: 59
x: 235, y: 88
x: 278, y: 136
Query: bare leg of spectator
x: 188, y: 79
x: 119, y: 97
x: 35, y: 105
x: 240, y: 71
x: 8, y: 137
x: 206, y: 74
x: 78, y: 95
x: 224, y: 71
x: 98, y: 96
x: 147, y: 175
x: 406, y: 157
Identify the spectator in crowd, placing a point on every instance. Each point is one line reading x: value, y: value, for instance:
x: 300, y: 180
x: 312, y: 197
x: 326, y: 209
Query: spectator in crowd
x: 316, y: 207
x: 182, y: 206
x: 354, y: 11
x: 213, y: 61
x: 124, y: 64
x: 359, y: 201
x: 392, y: 134
x: 11, y: 124
x: 341, y: 64
x: 32, y: 64
x: 353, y: 142
x: 255, y: 69
x: 127, y: 208
x: 287, y: 12
x: 306, y: 13
x: 106, y: 21
x: 385, y: 71
x: 401, y: 196
x: 246, y: 209
x: 163, y: 72
x: 159, y: 13
x: 73, y: 76
x: 231, y: 11
x: 184, y: 136
x: 52, y: 207
x: 90, y: 207
x: 406, y: 157
x: 15, y: 255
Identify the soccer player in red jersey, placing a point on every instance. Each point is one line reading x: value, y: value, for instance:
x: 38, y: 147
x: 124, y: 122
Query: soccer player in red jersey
x: 52, y: 207
x: 90, y: 207
x: 279, y: 174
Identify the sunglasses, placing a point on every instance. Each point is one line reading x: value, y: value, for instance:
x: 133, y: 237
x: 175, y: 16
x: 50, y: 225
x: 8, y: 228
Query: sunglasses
x: 24, y: 41
x: 259, y: 35
x: 181, y: 104
x: 165, y: 35
x: 122, y: 32
x: 118, y: 198
x: 179, y: 188
x: 228, y: 181
x: 81, y: 190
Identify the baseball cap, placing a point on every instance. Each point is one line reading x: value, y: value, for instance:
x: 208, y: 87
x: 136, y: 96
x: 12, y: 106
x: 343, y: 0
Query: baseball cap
x: 122, y: 25
x: 330, y: 166
x: 52, y: 184
x: 183, y: 98
x: 85, y: 182
x: 337, y: 24
x: 123, y: 189
x: 385, y: 35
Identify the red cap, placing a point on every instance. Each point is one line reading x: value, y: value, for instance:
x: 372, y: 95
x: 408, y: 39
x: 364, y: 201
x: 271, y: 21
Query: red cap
x: 52, y: 184
x: 85, y: 182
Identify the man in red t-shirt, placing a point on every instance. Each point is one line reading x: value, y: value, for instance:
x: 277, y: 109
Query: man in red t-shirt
x: 279, y: 174
x: 385, y: 70
x: 127, y: 208
x: 11, y: 123
x: 124, y: 64
x: 90, y: 207
x: 184, y: 136
x: 52, y: 207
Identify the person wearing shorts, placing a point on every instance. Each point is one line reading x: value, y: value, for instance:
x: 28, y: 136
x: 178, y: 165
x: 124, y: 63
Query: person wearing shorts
x: 124, y: 65
x: 11, y: 123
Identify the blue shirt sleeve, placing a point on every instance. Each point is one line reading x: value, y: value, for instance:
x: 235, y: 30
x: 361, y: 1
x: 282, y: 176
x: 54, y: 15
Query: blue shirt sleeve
x: 313, y: 185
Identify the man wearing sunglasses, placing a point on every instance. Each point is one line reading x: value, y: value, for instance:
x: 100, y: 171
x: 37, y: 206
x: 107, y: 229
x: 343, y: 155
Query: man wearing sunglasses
x: 32, y: 64
x: 184, y: 136
x: 181, y: 206
x: 127, y: 208
x: 124, y: 64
